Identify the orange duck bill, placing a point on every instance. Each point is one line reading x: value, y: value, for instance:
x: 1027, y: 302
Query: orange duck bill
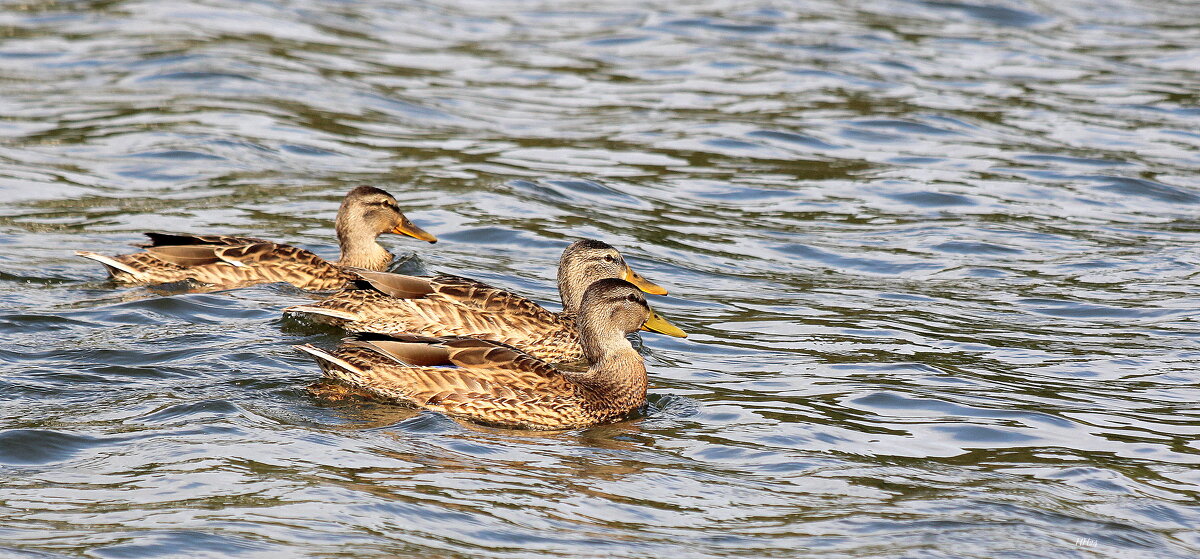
x: 407, y: 227
x: 642, y: 283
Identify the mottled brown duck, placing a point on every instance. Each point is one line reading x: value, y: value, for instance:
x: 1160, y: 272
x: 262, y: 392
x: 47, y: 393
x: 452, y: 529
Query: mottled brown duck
x: 224, y: 261
x: 495, y: 384
x: 455, y: 306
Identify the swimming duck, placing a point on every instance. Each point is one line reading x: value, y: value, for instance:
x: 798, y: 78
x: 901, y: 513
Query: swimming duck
x: 224, y: 261
x: 455, y: 306
x: 493, y: 383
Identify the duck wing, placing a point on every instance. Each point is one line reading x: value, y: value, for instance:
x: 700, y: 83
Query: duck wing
x: 177, y: 239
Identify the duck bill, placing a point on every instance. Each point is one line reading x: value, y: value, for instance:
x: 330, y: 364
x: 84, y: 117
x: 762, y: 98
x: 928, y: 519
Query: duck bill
x: 407, y: 227
x: 658, y: 324
x: 642, y: 283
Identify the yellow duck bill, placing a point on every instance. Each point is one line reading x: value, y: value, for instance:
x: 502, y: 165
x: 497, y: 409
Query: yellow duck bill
x: 659, y: 324
x: 644, y: 284
x: 408, y: 228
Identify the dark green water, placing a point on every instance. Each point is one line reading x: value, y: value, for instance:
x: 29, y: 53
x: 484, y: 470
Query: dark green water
x: 939, y: 262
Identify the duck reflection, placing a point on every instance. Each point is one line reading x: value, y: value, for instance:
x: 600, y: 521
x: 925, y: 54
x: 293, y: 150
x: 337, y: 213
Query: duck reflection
x: 485, y: 450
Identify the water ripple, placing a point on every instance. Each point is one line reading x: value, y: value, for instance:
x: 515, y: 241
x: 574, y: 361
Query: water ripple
x: 937, y: 260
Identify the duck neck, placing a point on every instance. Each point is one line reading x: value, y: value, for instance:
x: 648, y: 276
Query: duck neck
x: 570, y: 287
x: 359, y: 247
x: 615, y: 368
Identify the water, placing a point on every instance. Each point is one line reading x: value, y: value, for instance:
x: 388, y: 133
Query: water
x: 937, y: 260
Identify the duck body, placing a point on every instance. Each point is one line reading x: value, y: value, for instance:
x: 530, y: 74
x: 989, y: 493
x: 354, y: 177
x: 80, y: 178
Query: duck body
x: 492, y: 383
x: 230, y: 261
x: 452, y: 306
x: 478, y: 380
x: 448, y: 305
x: 224, y: 261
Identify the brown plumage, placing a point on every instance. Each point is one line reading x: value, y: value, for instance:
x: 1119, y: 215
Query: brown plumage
x: 492, y: 383
x: 366, y: 212
x: 454, y: 306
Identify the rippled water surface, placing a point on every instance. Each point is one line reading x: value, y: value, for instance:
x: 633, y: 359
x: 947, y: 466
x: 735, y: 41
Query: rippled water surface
x: 938, y: 259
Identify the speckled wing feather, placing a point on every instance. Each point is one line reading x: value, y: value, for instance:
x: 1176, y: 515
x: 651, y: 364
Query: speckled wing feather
x: 478, y: 295
x: 470, y: 378
x: 455, y: 306
x: 273, y: 262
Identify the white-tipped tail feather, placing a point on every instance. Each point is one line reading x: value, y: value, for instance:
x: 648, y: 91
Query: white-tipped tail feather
x: 113, y: 266
x: 329, y: 362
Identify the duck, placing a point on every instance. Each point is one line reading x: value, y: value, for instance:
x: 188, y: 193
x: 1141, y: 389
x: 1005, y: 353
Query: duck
x: 449, y: 305
x: 495, y: 384
x: 225, y: 261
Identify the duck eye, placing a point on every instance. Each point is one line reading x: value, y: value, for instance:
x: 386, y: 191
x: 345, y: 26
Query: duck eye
x: 632, y: 297
x: 609, y: 258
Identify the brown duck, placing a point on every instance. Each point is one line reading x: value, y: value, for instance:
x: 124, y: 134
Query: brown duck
x: 492, y: 383
x: 454, y: 306
x: 366, y: 212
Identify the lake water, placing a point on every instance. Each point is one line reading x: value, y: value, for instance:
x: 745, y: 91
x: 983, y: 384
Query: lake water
x: 938, y: 261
